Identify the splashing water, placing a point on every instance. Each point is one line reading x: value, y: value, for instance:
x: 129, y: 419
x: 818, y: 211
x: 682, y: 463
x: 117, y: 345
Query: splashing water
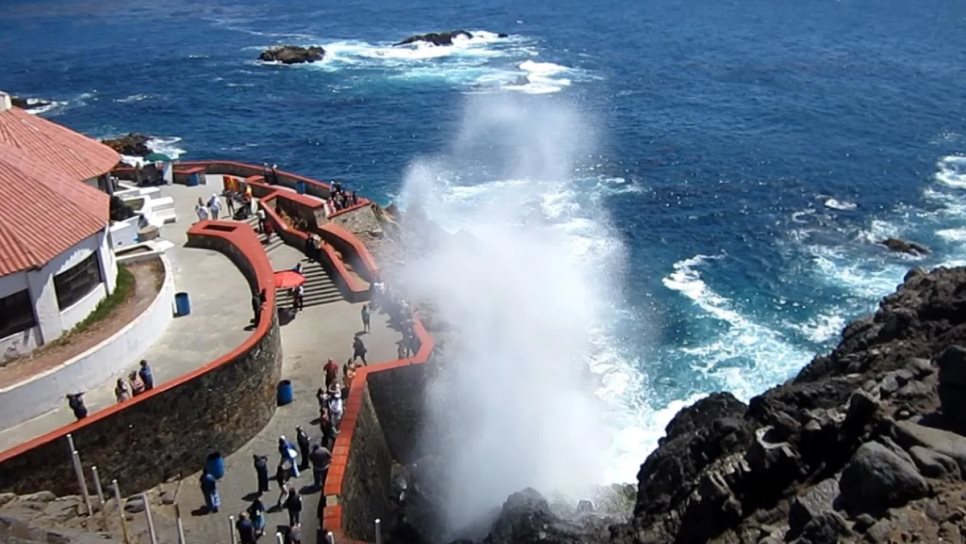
x: 514, y: 406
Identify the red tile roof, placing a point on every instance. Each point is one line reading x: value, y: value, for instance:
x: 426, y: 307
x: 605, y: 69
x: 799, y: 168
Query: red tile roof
x: 70, y: 152
x: 43, y: 211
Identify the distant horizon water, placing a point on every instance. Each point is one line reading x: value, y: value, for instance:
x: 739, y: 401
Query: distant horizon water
x: 747, y: 156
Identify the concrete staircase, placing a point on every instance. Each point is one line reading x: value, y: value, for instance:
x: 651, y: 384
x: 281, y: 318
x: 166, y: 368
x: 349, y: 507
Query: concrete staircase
x: 319, y: 287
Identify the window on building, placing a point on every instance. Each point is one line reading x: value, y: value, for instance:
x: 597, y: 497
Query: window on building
x: 73, y: 284
x: 16, y: 314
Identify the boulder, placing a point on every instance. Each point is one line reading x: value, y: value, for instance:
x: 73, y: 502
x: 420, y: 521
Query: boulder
x: 903, y: 246
x: 877, y: 478
x: 933, y: 464
x: 28, y: 103
x: 435, y: 38
x: 292, y: 54
x: 947, y: 443
x: 134, y: 506
x: 130, y: 144
x: 952, y: 383
x: 828, y: 527
x: 815, y: 502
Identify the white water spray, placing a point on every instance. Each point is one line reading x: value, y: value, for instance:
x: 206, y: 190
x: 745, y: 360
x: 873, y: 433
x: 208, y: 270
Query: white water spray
x: 515, y: 406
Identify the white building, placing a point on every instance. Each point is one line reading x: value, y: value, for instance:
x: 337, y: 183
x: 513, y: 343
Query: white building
x: 56, y: 261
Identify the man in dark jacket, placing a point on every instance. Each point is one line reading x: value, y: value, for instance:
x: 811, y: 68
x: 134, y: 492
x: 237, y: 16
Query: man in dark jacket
x: 76, y: 403
x: 146, y: 375
x: 303, y: 441
x: 246, y: 531
x: 321, y: 458
x: 261, y: 472
x: 294, y: 505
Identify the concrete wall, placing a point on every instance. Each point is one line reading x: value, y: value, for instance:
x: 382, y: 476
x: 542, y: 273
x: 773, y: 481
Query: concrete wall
x: 398, y: 397
x: 125, y: 233
x: 169, y: 430
x: 366, y: 480
x: 98, y: 365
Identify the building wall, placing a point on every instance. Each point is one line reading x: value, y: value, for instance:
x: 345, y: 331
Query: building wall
x: 101, y: 364
x: 169, y: 430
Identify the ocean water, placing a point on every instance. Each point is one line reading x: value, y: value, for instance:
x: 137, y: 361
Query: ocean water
x: 747, y: 154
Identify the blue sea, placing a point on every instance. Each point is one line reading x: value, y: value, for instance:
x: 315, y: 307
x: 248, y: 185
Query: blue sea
x: 746, y: 154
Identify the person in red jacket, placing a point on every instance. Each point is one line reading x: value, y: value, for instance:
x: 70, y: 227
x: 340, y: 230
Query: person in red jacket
x: 331, y: 372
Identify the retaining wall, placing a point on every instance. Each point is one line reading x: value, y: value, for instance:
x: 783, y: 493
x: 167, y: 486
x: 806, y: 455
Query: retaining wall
x: 45, y: 391
x: 169, y: 430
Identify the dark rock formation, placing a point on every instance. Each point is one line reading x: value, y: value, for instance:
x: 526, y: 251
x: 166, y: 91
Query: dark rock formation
x: 29, y: 103
x: 292, y: 54
x: 436, y: 38
x: 865, y: 444
x: 903, y: 246
x: 130, y: 144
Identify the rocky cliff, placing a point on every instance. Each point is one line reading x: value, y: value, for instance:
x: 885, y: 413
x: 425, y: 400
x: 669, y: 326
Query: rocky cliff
x: 866, y: 444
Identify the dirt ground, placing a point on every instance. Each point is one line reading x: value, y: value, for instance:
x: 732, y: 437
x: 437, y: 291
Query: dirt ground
x: 148, y: 277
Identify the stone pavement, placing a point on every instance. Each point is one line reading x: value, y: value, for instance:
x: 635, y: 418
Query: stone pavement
x: 220, y: 311
x: 319, y: 332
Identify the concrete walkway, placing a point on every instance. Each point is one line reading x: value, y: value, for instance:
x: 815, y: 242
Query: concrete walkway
x: 321, y: 331
x: 220, y: 311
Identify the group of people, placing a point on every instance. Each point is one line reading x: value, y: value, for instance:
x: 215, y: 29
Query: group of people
x: 339, y: 199
x: 141, y: 380
x: 400, y: 314
x: 212, y: 208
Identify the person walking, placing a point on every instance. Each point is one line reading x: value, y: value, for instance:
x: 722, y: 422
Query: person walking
x: 261, y: 471
x: 302, y: 439
x: 146, y: 376
x: 214, y: 206
x: 121, y: 391
x: 201, y: 210
x: 256, y: 307
x: 321, y: 458
x: 359, y: 350
x: 294, y: 506
x: 335, y: 406
x: 246, y: 529
x: 76, y: 403
x: 365, y: 318
x: 137, y: 385
x: 288, y: 454
x: 331, y: 371
x: 260, y: 216
x: 282, y: 476
x: 348, y: 373
x: 298, y: 298
x: 257, y: 512
x: 209, y: 488
x: 269, y: 228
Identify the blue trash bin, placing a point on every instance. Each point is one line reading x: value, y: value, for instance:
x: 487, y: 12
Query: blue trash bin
x: 300, y: 187
x: 215, y: 465
x: 194, y: 180
x: 285, y: 393
x: 182, y: 306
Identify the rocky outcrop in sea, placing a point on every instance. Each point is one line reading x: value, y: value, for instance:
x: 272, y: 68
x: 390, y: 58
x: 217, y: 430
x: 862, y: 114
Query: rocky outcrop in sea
x: 130, y: 144
x: 292, y: 54
x: 866, y: 444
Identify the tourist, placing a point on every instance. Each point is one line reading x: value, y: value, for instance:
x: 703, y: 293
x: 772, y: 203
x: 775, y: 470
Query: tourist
x: 294, y: 505
x: 298, y: 298
x: 274, y: 174
x: 76, y: 403
x: 268, y: 228
x: 358, y: 350
x: 146, y: 376
x: 250, y: 198
x: 302, y: 439
x: 321, y: 457
x: 294, y: 534
x: 325, y: 423
x: 260, y: 216
x: 365, y: 318
x: 335, y: 406
x: 288, y: 454
x: 261, y: 471
x: 348, y: 373
x: 137, y: 386
x: 256, y: 307
x: 214, y: 206
x: 246, y: 530
x: 257, y: 512
x: 354, y: 198
x: 201, y: 210
x: 230, y: 202
x: 298, y: 269
x: 209, y: 488
x: 121, y: 392
x: 331, y: 371
x: 401, y: 349
x: 282, y: 475
x: 413, y: 346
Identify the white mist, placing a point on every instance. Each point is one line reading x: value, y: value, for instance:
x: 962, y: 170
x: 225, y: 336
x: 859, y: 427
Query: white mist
x: 515, y: 406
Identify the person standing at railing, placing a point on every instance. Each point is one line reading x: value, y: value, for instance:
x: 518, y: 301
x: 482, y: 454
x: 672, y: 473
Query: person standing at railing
x: 321, y: 458
x: 146, y: 376
x: 76, y: 403
x: 260, y: 463
x: 302, y: 439
x: 121, y: 392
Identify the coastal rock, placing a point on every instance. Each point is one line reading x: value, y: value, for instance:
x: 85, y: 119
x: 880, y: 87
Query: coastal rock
x: 812, y: 505
x: 878, y: 478
x: 902, y: 246
x: 437, y: 38
x: 949, y: 444
x: 29, y: 103
x: 292, y: 54
x: 952, y: 383
x: 130, y: 144
x: 526, y: 518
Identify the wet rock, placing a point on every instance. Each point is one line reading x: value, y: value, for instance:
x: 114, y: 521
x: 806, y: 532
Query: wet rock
x: 436, y: 38
x: 130, y: 144
x: 292, y: 54
x: 29, y: 103
x: 878, y: 478
x: 903, y: 246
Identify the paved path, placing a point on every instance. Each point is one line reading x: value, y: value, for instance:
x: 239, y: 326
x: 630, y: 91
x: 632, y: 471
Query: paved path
x: 324, y: 329
x: 220, y: 310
